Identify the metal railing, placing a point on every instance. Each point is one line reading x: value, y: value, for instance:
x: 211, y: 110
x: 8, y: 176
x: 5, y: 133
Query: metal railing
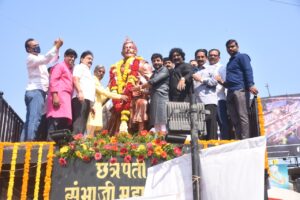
x: 11, y: 124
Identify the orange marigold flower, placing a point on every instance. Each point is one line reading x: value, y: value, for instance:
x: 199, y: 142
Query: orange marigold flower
x: 143, y: 133
x: 114, y: 148
x: 101, y: 141
x: 113, y: 140
x: 134, y: 146
x: 164, y: 154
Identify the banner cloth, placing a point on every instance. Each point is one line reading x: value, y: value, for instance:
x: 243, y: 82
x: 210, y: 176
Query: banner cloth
x: 231, y: 171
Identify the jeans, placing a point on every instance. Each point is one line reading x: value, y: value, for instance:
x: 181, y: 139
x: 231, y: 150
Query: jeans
x: 223, y: 120
x: 34, y: 100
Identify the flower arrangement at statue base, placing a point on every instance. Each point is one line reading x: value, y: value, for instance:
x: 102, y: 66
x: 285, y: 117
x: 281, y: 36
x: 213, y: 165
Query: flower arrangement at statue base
x: 130, y: 148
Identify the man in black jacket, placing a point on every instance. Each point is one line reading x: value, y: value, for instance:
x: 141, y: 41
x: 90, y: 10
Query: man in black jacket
x: 180, y: 77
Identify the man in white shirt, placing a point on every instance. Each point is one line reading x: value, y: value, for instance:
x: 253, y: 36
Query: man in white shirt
x: 205, y: 91
x: 220, y: 70
x: 84, y: 92
x: 37, y: 87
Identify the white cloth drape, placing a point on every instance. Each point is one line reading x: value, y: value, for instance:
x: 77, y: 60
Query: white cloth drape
x: 231, y: 171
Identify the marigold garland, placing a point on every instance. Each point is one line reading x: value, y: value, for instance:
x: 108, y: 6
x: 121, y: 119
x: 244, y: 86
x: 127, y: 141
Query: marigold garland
x: 122, y: 81
x: 26, y: 171
x: 38, y: 173
x: 260, y: 117
x: 205, y: 143
x: 1, y: 155
x: 47, y: 186
x: 12, y: 172
x: 261, y: 122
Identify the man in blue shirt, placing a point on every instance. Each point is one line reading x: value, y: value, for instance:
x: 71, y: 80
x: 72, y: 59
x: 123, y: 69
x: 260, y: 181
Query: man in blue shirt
x: 240, y: 83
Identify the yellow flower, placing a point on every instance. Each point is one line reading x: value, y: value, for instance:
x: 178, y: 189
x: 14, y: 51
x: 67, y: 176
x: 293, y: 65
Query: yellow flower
x: 125, y: 112
x: 78, y: 154
x: 113, y: 140
x: 64, y: 149
x: 91, y: 149
x: 124, y: 118
x: 141, y: 148
x: 158, y: 150
x: 84, y: 146
x: 101, y: 142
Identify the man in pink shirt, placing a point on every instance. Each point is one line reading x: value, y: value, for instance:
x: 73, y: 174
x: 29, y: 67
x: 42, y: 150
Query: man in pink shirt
x: 59, y: 112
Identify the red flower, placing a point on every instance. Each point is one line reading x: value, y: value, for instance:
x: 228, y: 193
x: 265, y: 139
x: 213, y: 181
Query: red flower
x: 86, y: 158
x: 143, y: 133
x: 134, y: 73
x: 158, y: 142
x: 118, y: 107
x: 141, y: 158
x: 127, y: 159
x: 150, y: 152
x: 113, y: 160
x: 72, y: 146
x: 62, y: 162
x: 164, y: 154
x: 127, y: 105
x: 134, y: 146
x: 104, y: 132
x: 78, y: 136
x: 98, y: 156
x: 107, y: 147
x: 95, y: 144
x: 135, y: 65
x: 123, y: 151
x: 177, y: 151
x: 154, y: 161
x: 114, y: 148
x: 149, y: 145
x: 162, y: 143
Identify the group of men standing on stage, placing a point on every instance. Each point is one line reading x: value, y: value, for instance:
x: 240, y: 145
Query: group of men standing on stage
x: 74, y: 99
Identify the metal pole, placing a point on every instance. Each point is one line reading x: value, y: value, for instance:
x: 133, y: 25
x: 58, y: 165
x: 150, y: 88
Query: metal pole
x: 267, y: 86
x: 195, y: 148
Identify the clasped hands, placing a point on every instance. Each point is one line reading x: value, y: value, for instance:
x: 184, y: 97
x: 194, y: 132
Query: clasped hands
x: 181, y: 84
x: 140, y: 88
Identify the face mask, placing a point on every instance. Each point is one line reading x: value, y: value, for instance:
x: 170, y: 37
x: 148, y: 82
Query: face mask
x: 36, y: 49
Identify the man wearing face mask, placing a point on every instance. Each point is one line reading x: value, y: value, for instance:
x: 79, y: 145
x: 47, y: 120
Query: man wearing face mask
x: 38, y: 83
x: 159, y: 92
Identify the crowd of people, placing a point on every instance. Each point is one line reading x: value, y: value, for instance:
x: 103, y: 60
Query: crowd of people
x: 72, y: 98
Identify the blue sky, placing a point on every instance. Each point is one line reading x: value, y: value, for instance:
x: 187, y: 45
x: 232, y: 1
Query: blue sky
x: 267, y: 30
